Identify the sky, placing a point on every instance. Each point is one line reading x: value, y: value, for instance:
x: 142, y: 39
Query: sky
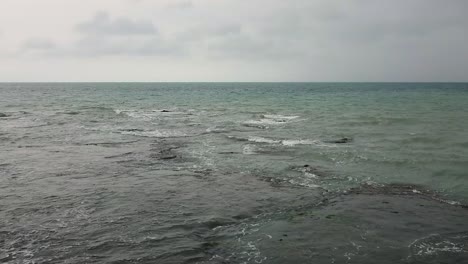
x: 233, y: 40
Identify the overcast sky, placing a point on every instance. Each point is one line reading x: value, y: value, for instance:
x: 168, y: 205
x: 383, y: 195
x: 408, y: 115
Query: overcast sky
x: 233, y: 40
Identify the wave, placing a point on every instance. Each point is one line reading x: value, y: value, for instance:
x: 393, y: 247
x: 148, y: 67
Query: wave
x: 280, y: 117
x: 403, y: 189
x: 262, y: 123
x: 154, y: 133
x: 96, y: 108
x: 24, y: 122
x: 305, y: 180
x: 285, y: 142
x: 433, y: 245
x: 294, y: 142
x: 13, y: 115
x: 263, y: 140
x: 248, y: 150
x: 144, y: 132
x: 266, y: 120
x: 149, y: 114
x: 216, y: 129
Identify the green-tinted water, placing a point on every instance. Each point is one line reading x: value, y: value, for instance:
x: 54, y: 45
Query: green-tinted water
x: 174, y: 172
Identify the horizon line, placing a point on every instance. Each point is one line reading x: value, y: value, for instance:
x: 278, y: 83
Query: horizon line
x: 31, y: 82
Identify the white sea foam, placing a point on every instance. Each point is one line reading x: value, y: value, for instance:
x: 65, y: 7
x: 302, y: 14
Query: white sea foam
x: 294, y: 142
x: 248, y: 150
x: 263, y: 122
x: 155, y: 133
x: 148, y: 114
x: 303, y: 183
x: 137, y: 114
x: 285, y: 142
x: 280, y: 117
x: 215, y: 129
x: 426, y: 246
x: 310, y: 175
x: 270, y: 120
x: 263, y: 140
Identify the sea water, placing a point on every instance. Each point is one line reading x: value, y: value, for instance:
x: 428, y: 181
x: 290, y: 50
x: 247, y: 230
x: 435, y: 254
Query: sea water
x: 233, y: 172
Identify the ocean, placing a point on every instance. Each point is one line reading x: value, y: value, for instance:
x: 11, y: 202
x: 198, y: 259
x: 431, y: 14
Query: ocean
x: 234, y: 173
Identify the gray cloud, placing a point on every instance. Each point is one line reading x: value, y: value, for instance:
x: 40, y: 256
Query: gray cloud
x: 233, y: 41
x: 98, y: 46
x: 301, y: 31
x: 364, y: 20
x: 102, y: 24
x: 355, y: 40
x: 37, y: 47
x: 247, y: 46
x: 181, y: 5
x: 222, y: 40
x: 38, y: 44
x: 104, y: 36
x: 205, y: 32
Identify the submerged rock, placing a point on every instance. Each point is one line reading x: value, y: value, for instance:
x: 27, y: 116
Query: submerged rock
x: 72, y: 113
x: 164, y: 152
x: 371, y: 224
x: 391, y: 189
x: 168, y: 157
x: 132, y: 130
x: 341, y: 140
x: 3, y: 115
x: 317, y: 171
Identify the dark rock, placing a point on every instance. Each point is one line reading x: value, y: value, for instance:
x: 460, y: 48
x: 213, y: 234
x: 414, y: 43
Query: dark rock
x: 3, y: 115
x: 319, y: 172
x: 165, y: 111
x: 435, y: 233
x: 341, y: 141
x: 392, y: 189
x: 119, y: 155
x: 109, y: 144
x: 72, y: 113
x: 216, y: 222
x: 228, y: 152
x: 204, y: 172
x: 168, y: 157
x: 242, y: 215
x: 132, y: 130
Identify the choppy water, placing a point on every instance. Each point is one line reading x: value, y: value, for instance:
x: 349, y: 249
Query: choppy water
x: 233, y: 173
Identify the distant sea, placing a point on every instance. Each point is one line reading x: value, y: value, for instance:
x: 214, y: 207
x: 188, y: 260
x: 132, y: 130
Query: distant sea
x: 233, y: 173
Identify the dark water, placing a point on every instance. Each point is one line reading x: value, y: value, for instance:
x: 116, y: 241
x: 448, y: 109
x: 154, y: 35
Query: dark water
x: 233, y: 173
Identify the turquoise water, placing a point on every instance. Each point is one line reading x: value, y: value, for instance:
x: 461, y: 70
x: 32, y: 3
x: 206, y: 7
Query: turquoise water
x: 173, y: 172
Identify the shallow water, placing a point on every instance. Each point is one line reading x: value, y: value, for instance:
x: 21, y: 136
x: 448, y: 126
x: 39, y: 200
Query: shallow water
x: 233, y: 173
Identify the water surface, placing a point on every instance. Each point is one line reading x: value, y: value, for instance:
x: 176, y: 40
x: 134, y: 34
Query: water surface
x: 233, y: 173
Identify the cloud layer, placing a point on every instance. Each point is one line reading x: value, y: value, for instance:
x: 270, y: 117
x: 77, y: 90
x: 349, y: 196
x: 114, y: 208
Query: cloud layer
x: 232, y: 40
x: 101, y: 24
